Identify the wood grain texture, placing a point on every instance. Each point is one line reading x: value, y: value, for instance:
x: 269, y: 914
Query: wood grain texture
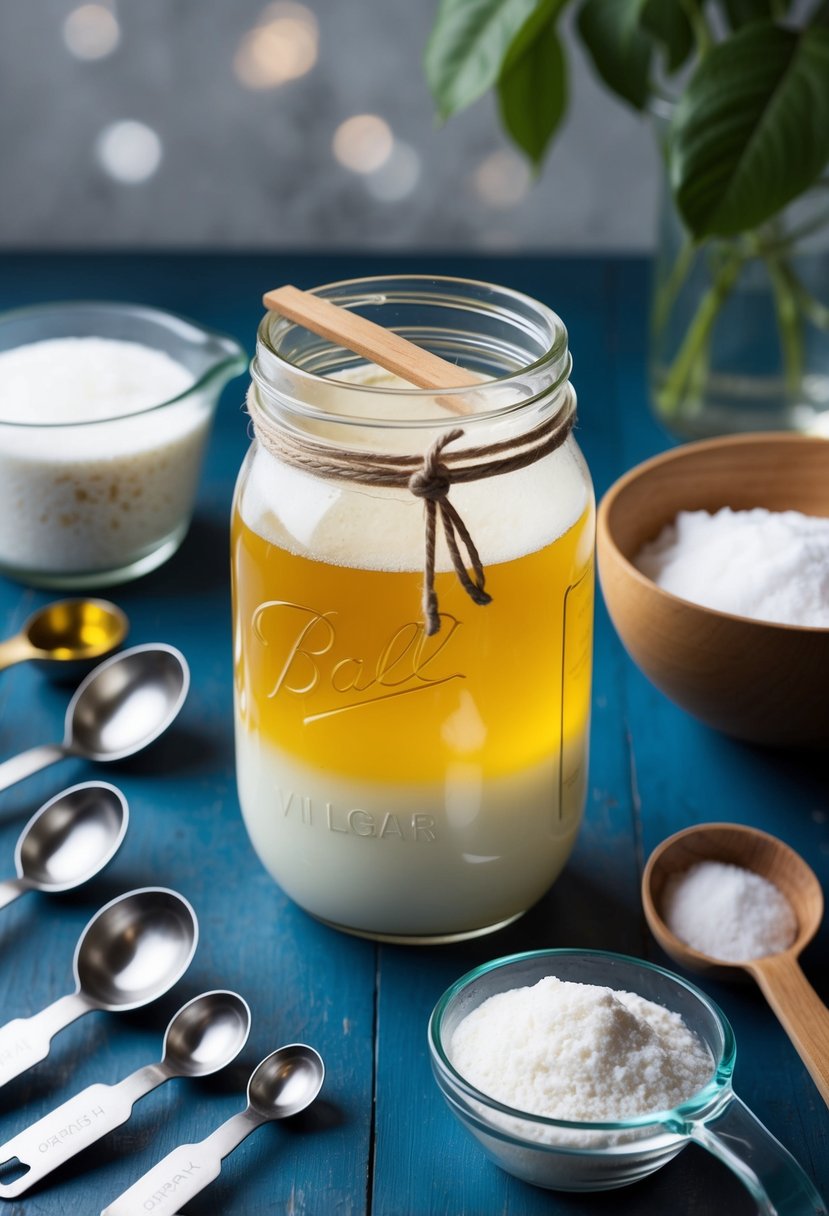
x: 381, y: 1141
x: 761, y: 682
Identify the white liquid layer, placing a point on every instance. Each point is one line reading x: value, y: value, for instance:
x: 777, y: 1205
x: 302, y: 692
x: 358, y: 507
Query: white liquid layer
x: 113, y: 483
x: 427, y: 860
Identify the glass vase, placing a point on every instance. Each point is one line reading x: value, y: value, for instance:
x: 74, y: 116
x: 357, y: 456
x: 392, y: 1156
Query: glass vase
x: 740, y: 327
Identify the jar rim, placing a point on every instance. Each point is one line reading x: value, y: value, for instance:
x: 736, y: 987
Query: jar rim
x: 541, y: 377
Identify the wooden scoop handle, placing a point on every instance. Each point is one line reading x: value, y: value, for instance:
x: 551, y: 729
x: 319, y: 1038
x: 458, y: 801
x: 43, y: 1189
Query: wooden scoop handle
x: 382, y: 346
x: 801, y: 1012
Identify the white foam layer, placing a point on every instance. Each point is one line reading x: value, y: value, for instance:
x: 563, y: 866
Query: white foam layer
x: 372, y: 528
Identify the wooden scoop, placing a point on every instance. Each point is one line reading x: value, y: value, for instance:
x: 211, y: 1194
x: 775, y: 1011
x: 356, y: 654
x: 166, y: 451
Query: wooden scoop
x: 381, y: 346
x: 799, y: 1009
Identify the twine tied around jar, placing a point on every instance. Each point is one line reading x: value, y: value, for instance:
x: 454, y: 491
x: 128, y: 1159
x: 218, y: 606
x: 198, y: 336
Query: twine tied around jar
x: 429, y: 476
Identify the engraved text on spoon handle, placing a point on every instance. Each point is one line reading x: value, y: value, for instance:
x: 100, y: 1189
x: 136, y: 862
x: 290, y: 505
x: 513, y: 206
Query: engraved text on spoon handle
x: 184, y: 1172
x: 74, y: 1126
x: 26, y: 1041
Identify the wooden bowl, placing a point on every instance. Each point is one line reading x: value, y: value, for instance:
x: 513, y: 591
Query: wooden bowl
x: 761, y: 682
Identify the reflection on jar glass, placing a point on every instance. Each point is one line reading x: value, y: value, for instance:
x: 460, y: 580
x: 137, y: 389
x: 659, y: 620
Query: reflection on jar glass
x: 397, y: 783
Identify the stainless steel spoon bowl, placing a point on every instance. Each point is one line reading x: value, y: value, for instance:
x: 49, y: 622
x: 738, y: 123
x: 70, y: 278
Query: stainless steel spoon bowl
x: 205, y: 1035
x: 283, y: 1084
x: 131, y: 952
x: 68, y: 841
x: 121, y: 706
x: 64, y: 635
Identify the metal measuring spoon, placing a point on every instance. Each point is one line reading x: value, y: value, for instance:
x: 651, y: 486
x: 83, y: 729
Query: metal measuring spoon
x: 285, y: 1083
x: 121, y: 706
x: 66, y: 632
x: 68, y: 841
x: 131, y: 952
x: 205, y: 1035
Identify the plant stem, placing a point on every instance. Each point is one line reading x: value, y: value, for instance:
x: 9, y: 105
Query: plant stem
x: 696, y: 340
x: 702, y: 32
x: 668, y: 290
x: 788, y: 325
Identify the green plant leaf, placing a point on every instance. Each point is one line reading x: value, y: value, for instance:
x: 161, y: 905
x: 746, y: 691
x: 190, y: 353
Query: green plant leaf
x: 743, y: 12
x: 543, y: 16
x: 532, y: 93
x: 751, y: 130
x: 667, y: 22
x: 619, y: 48
x: 821, y: 14
x: 467, y: 47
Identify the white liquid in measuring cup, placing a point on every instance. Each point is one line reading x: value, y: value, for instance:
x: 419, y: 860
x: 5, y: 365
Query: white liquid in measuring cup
x: 91, y: 477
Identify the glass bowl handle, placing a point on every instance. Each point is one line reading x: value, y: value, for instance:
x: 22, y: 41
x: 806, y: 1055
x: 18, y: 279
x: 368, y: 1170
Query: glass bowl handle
x: 769, y: 1171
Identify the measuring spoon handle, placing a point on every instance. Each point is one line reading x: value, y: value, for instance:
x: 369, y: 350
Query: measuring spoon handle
x: 801, y: 1012
x: 184, y: 1172
x: 11, y: 889
x: 15, y: 650
x: 26, y: 1041
x: 74, y: 1126
x: 29, y: 762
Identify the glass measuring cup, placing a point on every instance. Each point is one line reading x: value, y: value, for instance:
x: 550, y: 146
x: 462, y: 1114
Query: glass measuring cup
x: 98, y: 500
x: 567, y: 1156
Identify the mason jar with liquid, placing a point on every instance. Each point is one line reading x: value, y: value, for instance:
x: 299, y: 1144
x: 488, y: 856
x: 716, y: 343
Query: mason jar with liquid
x: 412, y: 735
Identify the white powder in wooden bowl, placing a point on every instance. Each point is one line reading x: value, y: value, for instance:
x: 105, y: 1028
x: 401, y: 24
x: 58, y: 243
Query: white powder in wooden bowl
x: 579, y: 1052
x: 727, y: 912
x: 768, y: 565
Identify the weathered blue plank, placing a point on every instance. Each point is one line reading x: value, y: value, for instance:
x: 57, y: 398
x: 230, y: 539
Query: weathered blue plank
x: 306, y: 981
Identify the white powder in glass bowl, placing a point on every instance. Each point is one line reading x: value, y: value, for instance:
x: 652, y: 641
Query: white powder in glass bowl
x: 578, y: 1052
x: 93, y: 482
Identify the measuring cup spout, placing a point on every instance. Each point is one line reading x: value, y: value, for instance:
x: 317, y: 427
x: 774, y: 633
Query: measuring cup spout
x: 776, y: 1182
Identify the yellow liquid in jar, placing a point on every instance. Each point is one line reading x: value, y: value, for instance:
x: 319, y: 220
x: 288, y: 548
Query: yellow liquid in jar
x: 408, y: 786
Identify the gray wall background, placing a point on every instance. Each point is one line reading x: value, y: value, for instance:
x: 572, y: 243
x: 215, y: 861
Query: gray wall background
x: 254, y: 168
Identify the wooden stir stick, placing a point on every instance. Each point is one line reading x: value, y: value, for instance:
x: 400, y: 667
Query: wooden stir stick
x: 383, y: 347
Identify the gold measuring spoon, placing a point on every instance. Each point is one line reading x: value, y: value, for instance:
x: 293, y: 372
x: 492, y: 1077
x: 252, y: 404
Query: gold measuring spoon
x: 797, y: 1006
x: 66, y: 631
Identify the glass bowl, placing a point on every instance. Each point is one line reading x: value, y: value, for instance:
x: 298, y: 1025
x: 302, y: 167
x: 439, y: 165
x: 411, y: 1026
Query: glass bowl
x: 87, y: 504
x: 567, y: 1156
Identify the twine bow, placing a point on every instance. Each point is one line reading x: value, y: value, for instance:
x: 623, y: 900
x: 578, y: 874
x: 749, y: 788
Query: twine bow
x: 432, y: 483
x: 427, y: 477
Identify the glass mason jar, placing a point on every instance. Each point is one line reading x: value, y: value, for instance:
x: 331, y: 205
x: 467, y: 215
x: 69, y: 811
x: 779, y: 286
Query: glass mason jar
x: 740, y: 327
x: 398, y: 784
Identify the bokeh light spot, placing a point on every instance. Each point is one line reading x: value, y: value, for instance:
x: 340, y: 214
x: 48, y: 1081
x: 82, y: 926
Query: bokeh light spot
x: 397, y: 176
x: 129, y: 151
x: 91, y: 31
x: 282, y: 46
x: 363, y: 143
x: 502, y: 179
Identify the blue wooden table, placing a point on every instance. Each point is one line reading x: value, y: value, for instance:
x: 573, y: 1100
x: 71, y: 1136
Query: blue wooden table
x: 380, y: 1141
